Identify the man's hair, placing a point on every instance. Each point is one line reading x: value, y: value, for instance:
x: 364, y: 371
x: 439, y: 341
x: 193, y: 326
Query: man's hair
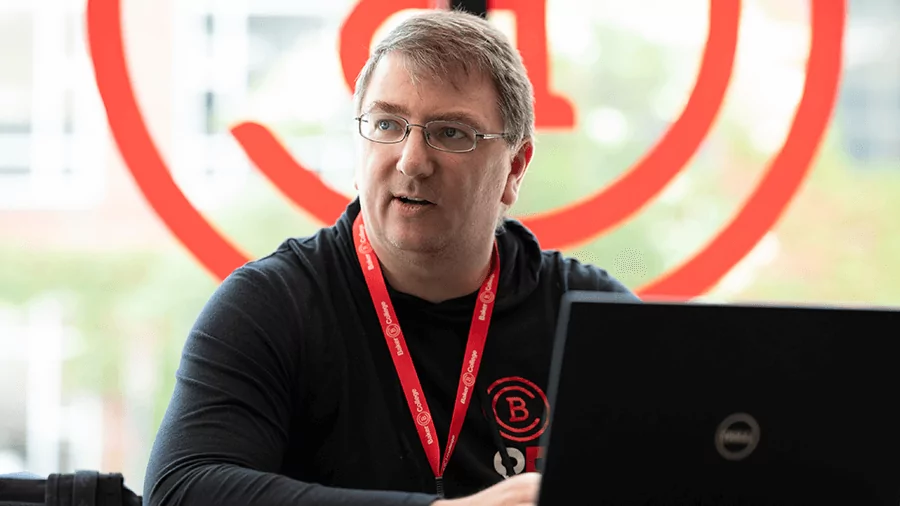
x: 438, y: 44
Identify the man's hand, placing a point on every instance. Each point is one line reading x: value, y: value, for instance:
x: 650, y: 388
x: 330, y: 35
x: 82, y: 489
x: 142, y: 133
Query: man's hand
x: 520, y: 490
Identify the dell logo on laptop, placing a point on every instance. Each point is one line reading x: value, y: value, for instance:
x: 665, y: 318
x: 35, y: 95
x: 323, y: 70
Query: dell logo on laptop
x: 737, y: 436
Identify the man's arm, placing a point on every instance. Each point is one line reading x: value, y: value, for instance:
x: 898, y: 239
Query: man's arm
x: 225, y: 431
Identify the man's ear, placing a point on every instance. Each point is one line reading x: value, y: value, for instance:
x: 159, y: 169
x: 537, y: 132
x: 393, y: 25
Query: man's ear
x: 518, y: 164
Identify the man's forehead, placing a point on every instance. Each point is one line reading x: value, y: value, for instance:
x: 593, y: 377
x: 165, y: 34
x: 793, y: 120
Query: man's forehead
x: 398, y: 87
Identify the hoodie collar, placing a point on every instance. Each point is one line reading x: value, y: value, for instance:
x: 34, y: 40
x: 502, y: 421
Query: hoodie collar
x: 520, y: 263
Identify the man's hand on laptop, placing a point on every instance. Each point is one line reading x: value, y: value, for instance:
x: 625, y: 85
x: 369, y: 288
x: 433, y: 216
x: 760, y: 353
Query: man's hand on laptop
x: 520, y: 490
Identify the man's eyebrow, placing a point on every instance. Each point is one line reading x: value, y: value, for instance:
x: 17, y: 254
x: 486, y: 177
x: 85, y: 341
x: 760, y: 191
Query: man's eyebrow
x: 399, y: 110
x: 388, y: 107
x: 460, y: 117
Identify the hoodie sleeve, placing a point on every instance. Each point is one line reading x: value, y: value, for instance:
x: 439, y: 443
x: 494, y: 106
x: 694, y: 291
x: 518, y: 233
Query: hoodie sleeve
x: 226, y: 427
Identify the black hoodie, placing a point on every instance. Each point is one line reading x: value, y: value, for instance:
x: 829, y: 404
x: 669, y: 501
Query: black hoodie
x: 287, y: 394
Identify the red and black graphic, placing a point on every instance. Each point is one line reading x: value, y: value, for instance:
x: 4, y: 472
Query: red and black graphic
x: 521, y: 408
x: 527, y: 462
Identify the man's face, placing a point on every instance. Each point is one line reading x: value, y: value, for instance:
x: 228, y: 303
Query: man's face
x: 465, y: 191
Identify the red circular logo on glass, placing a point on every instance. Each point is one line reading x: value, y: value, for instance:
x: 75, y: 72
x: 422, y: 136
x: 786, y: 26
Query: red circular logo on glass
x: 569, y: 226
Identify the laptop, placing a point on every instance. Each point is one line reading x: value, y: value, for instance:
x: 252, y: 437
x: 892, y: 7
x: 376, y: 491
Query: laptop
x: 705, y: 404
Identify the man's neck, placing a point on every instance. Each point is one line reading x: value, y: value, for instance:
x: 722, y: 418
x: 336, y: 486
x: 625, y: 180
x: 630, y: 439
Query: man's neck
x: 436, y: 278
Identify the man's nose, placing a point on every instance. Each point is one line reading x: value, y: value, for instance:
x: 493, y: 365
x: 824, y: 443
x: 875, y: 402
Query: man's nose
x: 416, y: 155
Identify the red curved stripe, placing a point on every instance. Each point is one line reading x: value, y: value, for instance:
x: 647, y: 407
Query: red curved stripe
x: 584, y: 220
x: 299, y: 184
x: 785, y: 173
x: 104, y: 29
x: 578, y: 222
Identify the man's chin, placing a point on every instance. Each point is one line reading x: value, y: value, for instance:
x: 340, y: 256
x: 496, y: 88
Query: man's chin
x: 417, y: 243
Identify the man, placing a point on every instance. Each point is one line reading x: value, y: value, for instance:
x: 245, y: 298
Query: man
x: 336, y: 369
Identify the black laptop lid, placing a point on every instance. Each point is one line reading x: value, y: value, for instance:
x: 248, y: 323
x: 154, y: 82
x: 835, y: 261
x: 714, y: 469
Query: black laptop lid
x: 704, y: 404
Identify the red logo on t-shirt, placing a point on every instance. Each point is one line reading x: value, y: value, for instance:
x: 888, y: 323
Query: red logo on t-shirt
x: 520, y: 407
x: 523, y: 414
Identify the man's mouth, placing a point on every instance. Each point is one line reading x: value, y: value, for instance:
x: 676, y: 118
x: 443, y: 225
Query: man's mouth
x: 412, y: 200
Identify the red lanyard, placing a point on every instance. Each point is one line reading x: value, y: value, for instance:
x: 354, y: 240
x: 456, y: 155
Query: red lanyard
x: 406, y: 371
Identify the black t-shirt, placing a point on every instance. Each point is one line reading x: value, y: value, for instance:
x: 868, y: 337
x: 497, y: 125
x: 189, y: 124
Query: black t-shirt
x: 287, y: 394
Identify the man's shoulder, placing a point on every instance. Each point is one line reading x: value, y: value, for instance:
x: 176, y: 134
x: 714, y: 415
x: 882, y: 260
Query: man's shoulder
x: 575, y: 274
x: 297, y: 264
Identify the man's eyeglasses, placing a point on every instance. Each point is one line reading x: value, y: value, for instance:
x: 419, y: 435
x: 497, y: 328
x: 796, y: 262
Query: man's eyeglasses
x: 450, y: 136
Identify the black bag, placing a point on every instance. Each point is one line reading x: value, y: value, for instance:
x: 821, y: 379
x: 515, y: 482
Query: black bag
x: 83, y: 488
